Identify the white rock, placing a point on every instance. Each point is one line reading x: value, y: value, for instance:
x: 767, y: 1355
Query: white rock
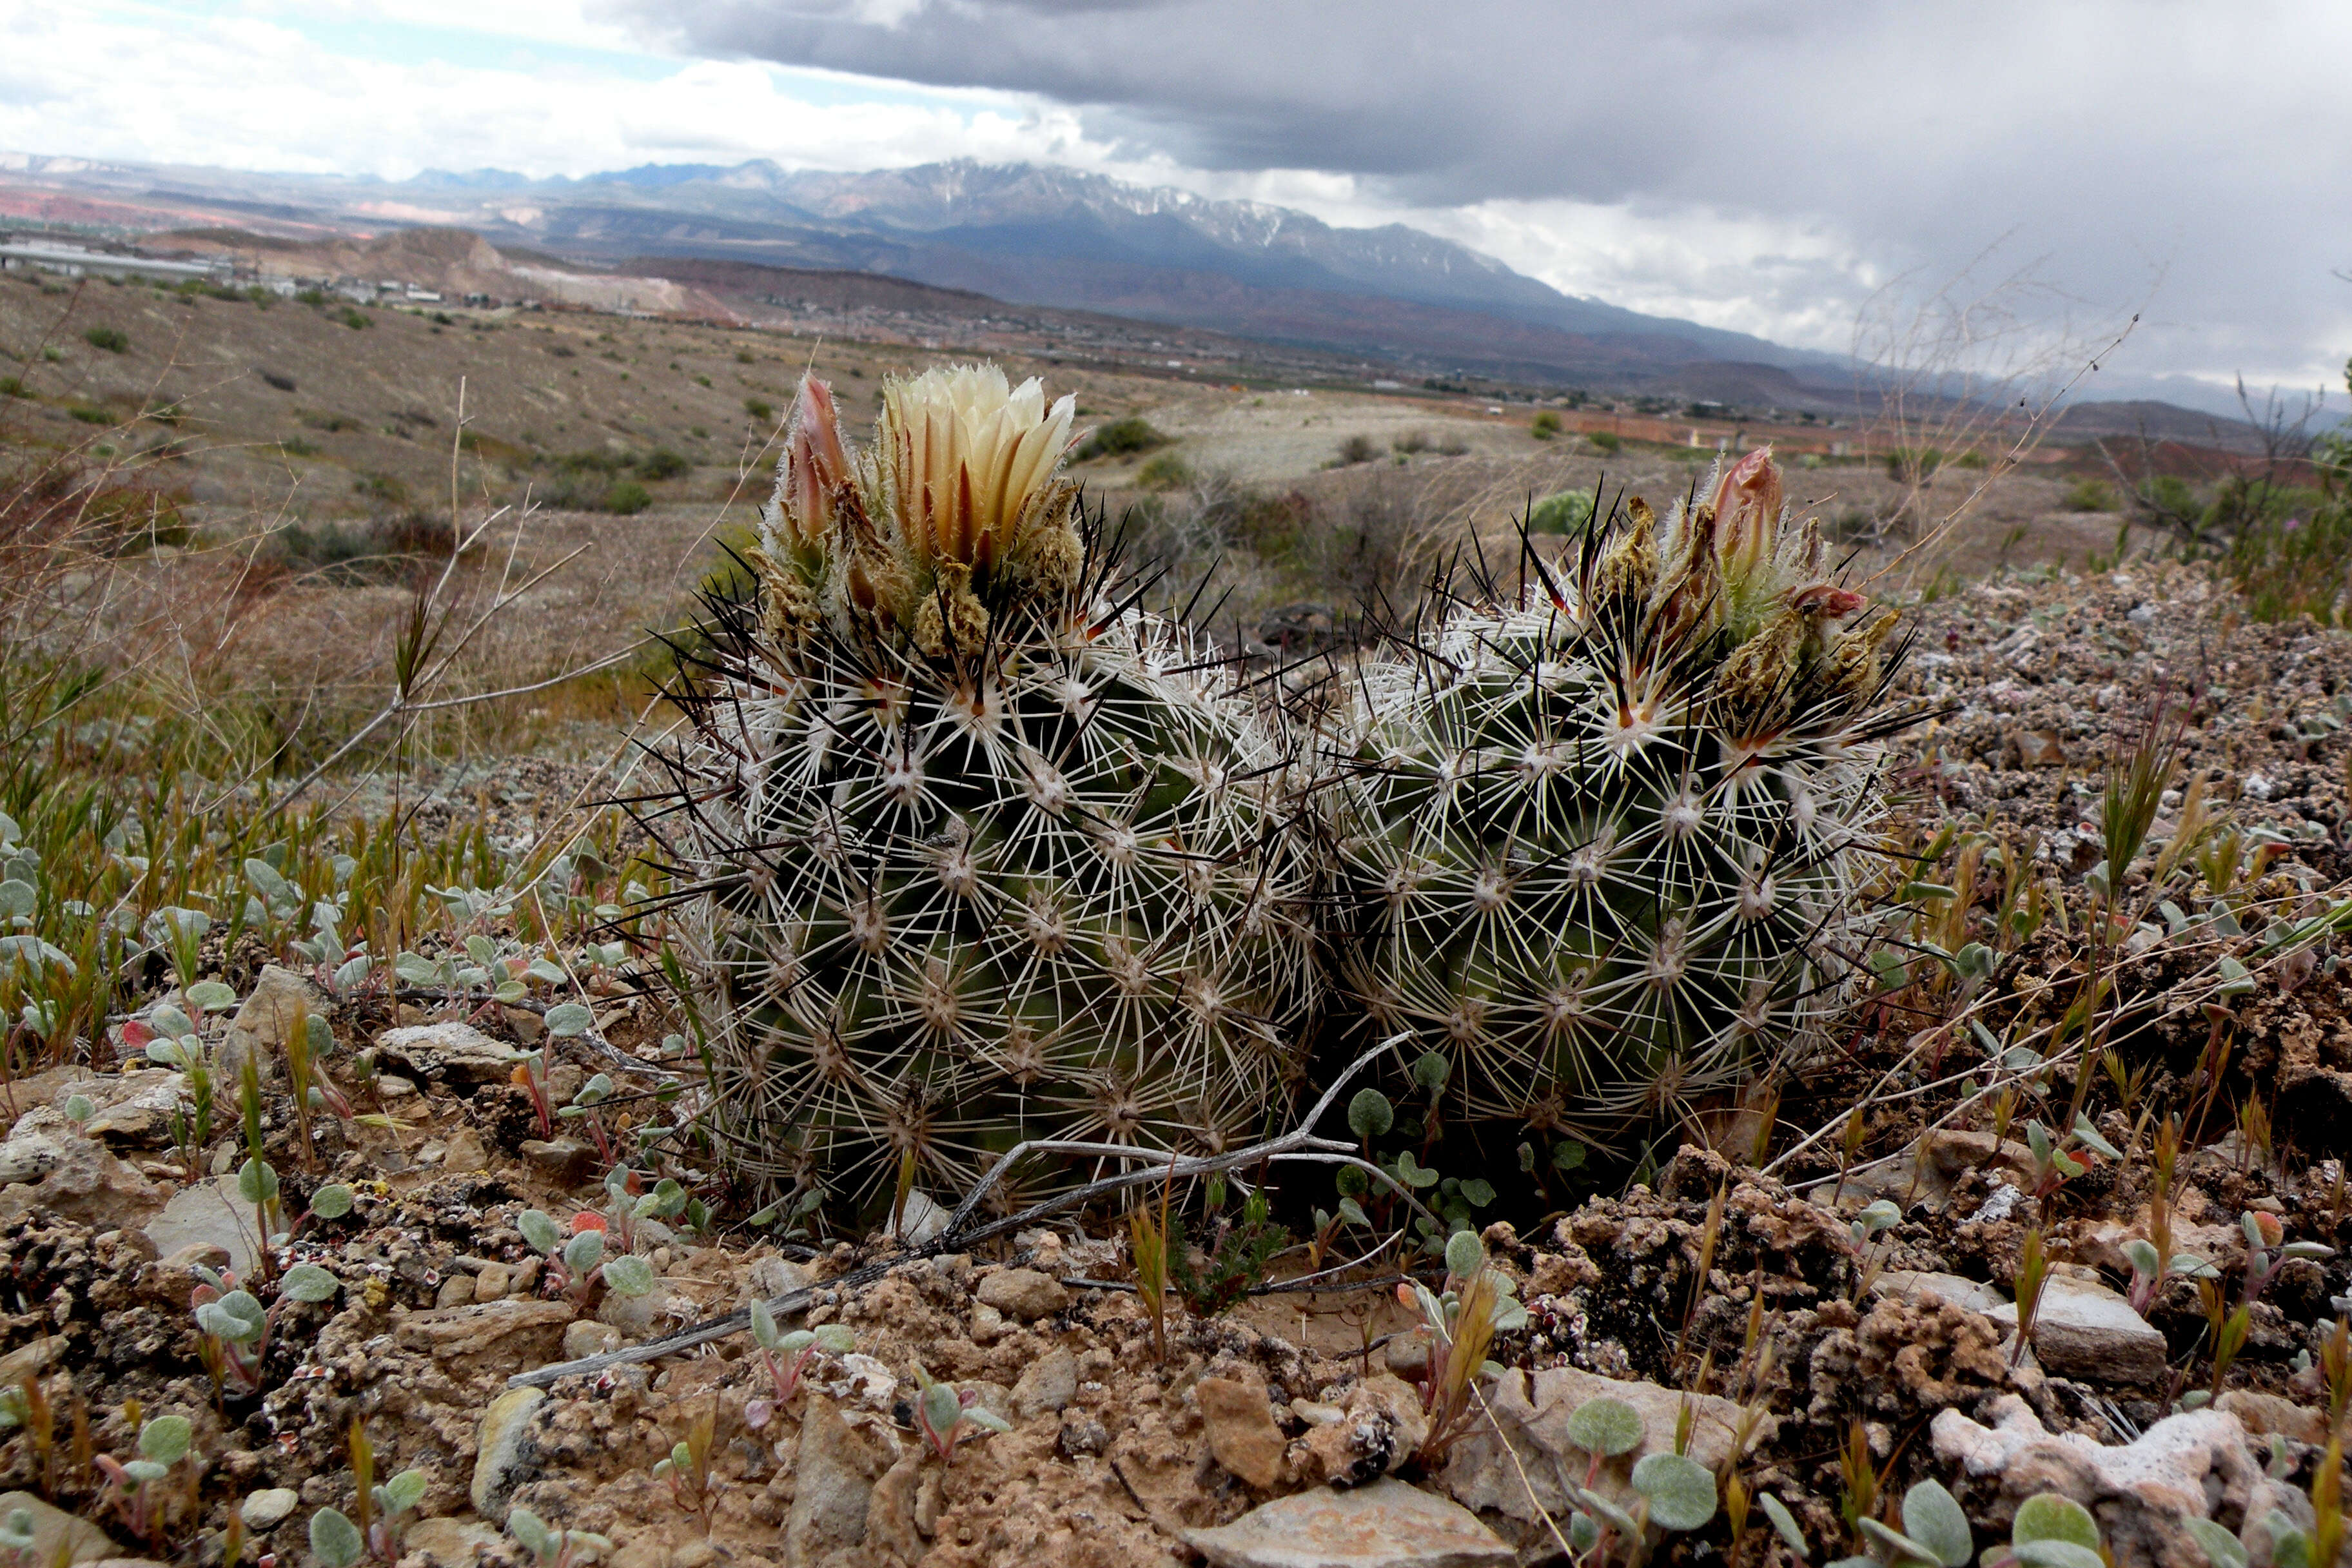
x: 268, y: 1509
x: 1386, y: 1524
x: 503, y: 1452
x: 2082, y: 1329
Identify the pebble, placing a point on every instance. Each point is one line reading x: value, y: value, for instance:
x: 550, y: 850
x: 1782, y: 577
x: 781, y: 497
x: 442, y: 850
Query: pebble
x: 501, y: 1450
x: 1239, y: 1426
x: 1386, y: 1524
x: 268, y: 1509
x: 2082, y: 1329
x: 491, y: 1281
x: 1023, y: 1293
x: 1047, y: 1385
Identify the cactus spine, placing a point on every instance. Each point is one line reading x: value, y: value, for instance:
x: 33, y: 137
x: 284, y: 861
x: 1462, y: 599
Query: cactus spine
x: 1601, y: 836
x: 983, y: 854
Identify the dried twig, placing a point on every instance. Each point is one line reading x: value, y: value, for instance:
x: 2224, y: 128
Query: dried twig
x: 961, y: 1234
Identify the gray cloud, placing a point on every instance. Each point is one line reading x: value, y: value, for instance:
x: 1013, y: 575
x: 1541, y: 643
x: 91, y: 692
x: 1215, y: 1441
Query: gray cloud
x: 2123, y: 137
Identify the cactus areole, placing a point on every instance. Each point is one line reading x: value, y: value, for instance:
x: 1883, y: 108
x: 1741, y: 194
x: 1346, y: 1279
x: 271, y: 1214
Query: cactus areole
x: 1601, y: 836
x: 980, y: 852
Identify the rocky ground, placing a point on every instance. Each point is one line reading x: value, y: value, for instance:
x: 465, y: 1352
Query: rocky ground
x: 1767, y: 1320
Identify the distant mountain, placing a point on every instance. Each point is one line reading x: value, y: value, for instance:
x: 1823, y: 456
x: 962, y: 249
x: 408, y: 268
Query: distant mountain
x: 1017, y: 232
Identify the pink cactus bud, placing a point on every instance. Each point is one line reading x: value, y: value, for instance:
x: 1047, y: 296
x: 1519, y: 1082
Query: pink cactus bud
x: 1825, y: 602
x: 814, y: 462
x: 1747, y: 504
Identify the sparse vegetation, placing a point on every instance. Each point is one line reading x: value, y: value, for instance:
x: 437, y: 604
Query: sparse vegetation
x: 110, y: 339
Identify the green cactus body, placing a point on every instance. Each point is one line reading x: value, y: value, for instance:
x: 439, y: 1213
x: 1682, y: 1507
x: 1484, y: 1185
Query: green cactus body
x: 1034, y: 888
x: 1601, y: 842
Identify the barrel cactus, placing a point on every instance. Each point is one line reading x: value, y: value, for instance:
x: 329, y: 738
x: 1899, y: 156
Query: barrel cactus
x: 1603, y: 835
x: 983, y: 852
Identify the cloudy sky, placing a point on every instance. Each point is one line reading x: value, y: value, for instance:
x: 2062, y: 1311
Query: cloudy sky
x: 1768, y: 166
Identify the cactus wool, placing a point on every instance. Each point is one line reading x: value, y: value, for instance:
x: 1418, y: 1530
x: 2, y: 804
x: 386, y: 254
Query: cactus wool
x: 980, y: 853
x: 1601, y: 836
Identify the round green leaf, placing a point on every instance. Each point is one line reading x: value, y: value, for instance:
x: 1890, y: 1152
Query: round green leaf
x: 941, y: 1409
x: 1681, y: 1490
x: 1606, y: 1427
x: 1784, y: 1524
x: 257, y: 1182
x: 1433, y: 1070
x: 568, y: 1018
x: 2054, y: 1553
x: 1369, y: 1114
x: 335, y: 1539
x: 763, y: 1326
x: 169, y: 1021
x: 145, y: 1470
x: 79, y: 1108
x: 1893, y: 1546
x: 541, y: 1233
x: 166, y: 1438
x: 837, y: 1338
x: 404, y: 1490
x: 585, y: 1251
x: 332, y: 1201
x: 2223, y: 1550
x: 1932, y: 1517
x: 1465, y: 1255
x: 2046, y: 1516
x: 1583, y: 1532
x: 628, y: 1274
x: 308, y: 1282
x: 1566, y: 1155
x: 531, y: 1531
x: 211, y: 995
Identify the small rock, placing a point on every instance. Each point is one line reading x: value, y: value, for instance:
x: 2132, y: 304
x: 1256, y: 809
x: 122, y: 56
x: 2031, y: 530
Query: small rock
x: 634, y: 1315
x: 30, y: 1361
x: 210, y: 1213
x: 456, y: 1054
x: 1316, y: 1415
x: 1081, y: 1434
x: 29, y: 1157
x: 490, y: 1281
x: 1380, y: 1431
x: 566, y: 1162
x: 565, y: 1081
x: 1967, y: 1294
x: 587, y: 1337
x: 2185, y: 1467
x: 1535, y: 1409
x: 1407, y: 1355
x: 465, y: 1152
x: 2037, y: 748
x: 772, y: 1277
x: 2260, y: 1414
x: 834, y: 1477
x: 527, y: 1027
x: 259, y: 1029
x: 484, y: 1327
x: 449, y: 1543
x: 502, y: 1451
x: 922, y: 1220
x: 1241, y: 1435
x: 2082, y: 1329
x: 1387, y: 1524
x: 1046, y: 1383
x: 54, y: 1528
x: 1023, y: 1293
x: 265, y: 1511
x: 457, y: 1290
x: 988, y: 1324
x: 138, y: 1112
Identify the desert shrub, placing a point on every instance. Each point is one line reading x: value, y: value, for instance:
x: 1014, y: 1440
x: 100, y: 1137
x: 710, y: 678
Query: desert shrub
x: 1603, y: 440
x: 382, y: 486
x: 312, y: 296
x: 1355, y: 449
x: 352, y: 318
x: 1120, y: 439
x: 1164, y: 472
x: 2088, y: 495
x: 1546, y: 425
x: 331, y: 422
x: 627, y: 497
x: 760, y: 408
x: 282, y: 383
x: 661, y: 463
x: 1452, y: 446
x: 13, y: 386
x: 90, y: 416
x: 110, y: 338
x: 1912, y: 465
x: 296, y: 447
x: 1570, y: 511
x: 1410, y: 442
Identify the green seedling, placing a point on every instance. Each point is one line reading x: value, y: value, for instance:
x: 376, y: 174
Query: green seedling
x: 553, y: 1548
x: 136, y: 1487
x: 787, y: 1356
x: 1476, y: 1304
x: 2050, y: 1532
x: 237, y: 1327
x: 945, y: 1415
x: 686, y: 1468
x: 1935, y: 1533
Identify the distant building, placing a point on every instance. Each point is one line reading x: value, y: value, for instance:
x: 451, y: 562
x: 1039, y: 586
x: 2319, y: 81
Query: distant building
x: 76, y: 261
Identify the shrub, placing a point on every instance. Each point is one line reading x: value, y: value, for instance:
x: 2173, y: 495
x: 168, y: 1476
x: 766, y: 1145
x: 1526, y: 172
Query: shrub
x: 627, y: 497
x: 89, y: 416
x: 1410, y: 441
x: 661, y: 463
x: 354, y: 319
x: 2089, y: 495
x: 1603, y: 440
x: 382, y: 488
x: 13, y: 386
x: 1570, y: 511
x: 1120, y: 439
x: 282, y: 383
x: 1355, y: 449
x: 1912, y: 465
x: 760, y: 408
x: 1165, y: 472
x: 110, y: 338
x: 1546, y: 425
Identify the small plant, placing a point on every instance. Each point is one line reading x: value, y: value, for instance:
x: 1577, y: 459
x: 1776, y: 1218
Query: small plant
x: 1476, y: 1304
x: 1935, y: 1533
x: 760, y: 408
x: 136, y: 1487
x: 2265, y: 1255
x: 553, y: 1548
x: 1234, y: 1262
x: 1545, y: 427
x: 943, y: 1412
x: 2088, y: 495
x: 1147, y: 1241
x: 340, y: 1542
x: 1603, y: 440
x: 626, y: 498
x: 797, y: 1348
x: 1674, y: 1491
x: 577, y: 1264
x: 1355, y: 449
x: 110, y: 339
x: 1568, y: 512
x: 686, y: 1468
x: 1167, y: 471
x: 2050, y: 1532
x: 351, y: 318
x: 237, y: 1327
x: 1119, y: 438
x: 17, y: 1540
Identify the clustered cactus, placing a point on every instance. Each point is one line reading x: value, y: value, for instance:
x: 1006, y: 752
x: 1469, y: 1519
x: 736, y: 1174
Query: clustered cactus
x: 977, y: 851
x: 989, y: 856
x: 1599, y: 835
